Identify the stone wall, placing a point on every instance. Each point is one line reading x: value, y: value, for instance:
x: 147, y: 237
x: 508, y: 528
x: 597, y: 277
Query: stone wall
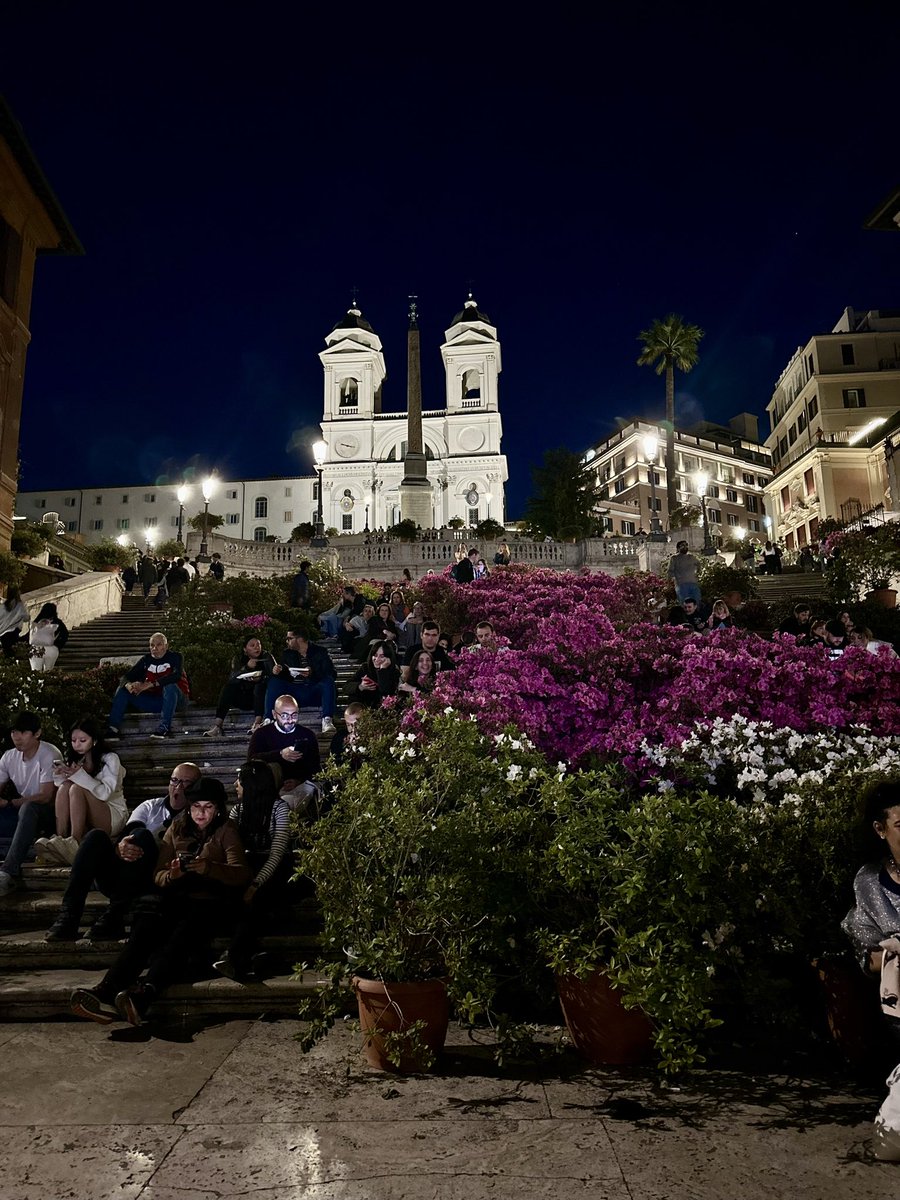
x: 80, y: 599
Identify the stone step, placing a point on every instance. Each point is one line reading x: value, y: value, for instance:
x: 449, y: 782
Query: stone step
x: 38, y: 995
x: 26, y: 951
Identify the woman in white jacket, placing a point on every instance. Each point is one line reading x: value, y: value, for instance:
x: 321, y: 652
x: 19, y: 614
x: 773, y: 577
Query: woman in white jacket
x: 89, y: 795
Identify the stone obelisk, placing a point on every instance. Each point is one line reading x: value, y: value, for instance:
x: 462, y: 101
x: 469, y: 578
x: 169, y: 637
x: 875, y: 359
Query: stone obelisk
x: 415, y: 490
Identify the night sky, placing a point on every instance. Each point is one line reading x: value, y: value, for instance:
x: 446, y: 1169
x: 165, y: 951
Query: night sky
x: 233, y: 177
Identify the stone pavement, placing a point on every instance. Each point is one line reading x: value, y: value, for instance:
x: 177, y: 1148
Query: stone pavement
x: 235, y: 1110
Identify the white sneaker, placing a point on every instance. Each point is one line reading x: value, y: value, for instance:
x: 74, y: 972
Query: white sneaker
x: 8, y: 883
x: 327, y: 725
x: 47, y: 851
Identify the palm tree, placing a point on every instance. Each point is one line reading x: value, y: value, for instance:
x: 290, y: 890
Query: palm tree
x: 668, y: 344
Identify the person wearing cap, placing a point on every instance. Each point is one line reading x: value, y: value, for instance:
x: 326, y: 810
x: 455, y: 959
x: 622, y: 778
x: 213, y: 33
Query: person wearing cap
x: 26, y: 785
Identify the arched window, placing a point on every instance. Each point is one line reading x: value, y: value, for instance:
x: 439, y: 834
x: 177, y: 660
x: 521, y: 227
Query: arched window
x: 261, y: 507
x: 349, y: 393
x: 259, y: 533
x: 471, y: 384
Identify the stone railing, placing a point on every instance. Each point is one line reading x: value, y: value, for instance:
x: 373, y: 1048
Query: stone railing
x: 80, y: 599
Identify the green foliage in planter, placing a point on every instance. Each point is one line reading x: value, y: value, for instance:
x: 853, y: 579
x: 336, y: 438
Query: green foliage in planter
x: 864, y: 560
x: 423, y: 866
x: 489, y: 530
x: 717, y: 579
x: 683, y: 515
x: 206, y: 521
x: 27, y: 542
x: 171, y: 548
x: 107, y: 554
x: 57, y: 697
x: 405, y: 530
x: 12, y: 569
x: 456, y: 523
x: 302, y: 532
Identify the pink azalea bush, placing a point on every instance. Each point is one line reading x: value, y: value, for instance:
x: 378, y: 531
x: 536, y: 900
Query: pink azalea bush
x: 585, y: 675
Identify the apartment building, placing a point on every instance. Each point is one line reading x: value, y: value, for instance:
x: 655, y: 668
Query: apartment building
x: 738, y: 469
x: 829, y: 416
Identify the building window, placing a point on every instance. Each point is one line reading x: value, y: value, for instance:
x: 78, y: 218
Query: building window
x: 753, y: 526
x: 731, y: 496
x: 656, y: 505
x: 809, y: 481
x: 712, y: 491
x: 288, y: 515
x: 620, y: 463
x: 813, y: 407
x: 810, y: 367
x: 40, y: 503
x: 714, y: 516
x: 233, y: 519
x: 792, y: 435
x: 848, y: 358
x: 629, y: 528
x: 748, y: 479
x: 473, y: 516
x: 655, y: 478
x: 72, y: 527
x: 782, y: 447
x: 260, y: 507
x: 785, y: 499
x: 149, y: 522
x: 761, y: 481
x: 347, y: 522
x: 349, y: 393
x: 619, y: 486
x: 231, y: 494
x: 259, y: 533
x: 149, y: 497
x: 123, y: 523
x: 97, y: 523
x: 69, y: 502
x: 801, y: 422
x: 854, y: 397
x: 98, y: 499
x: 287, y: 491
x: 173, y: 521
x: 124, y: 497
x: 731, y: 518
x: 752, y: 503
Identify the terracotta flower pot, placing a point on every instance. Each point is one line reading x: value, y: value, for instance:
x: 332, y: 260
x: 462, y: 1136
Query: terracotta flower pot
x: 886, y: 597
x: 392, y: 1008
x: 602, y: 1030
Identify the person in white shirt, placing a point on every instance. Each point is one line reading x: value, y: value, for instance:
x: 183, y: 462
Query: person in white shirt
x: 865, y: 641
x: 123, y: 868
x: 26, y: 783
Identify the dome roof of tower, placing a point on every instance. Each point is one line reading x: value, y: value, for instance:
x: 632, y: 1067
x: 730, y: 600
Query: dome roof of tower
x: 354, y: 320
x: 471, y: 312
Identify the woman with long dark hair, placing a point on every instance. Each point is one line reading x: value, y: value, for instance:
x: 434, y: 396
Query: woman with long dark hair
x: 263, y: 821
x: 89, y: 793
x: 379, y: 677
x: 421, y: 674
x: 13, y: 614
x: 48, y: 636
x: 201, y: 875
x: 251, y: 670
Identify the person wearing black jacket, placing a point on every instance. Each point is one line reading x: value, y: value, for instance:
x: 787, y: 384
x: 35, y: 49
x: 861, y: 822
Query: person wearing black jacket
x: 379, y: 677
x: 464, y: 571
x: 307, y: 673
x: 152, y: 686
x: 251, y: 670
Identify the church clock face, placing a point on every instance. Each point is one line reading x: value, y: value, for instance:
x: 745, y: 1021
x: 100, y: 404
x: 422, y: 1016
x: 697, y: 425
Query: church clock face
x: 472, y: 497
x: 346, y: 445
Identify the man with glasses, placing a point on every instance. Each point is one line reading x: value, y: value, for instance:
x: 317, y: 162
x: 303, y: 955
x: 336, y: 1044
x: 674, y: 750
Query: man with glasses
x: 290, y: 746
x: 123, y: 869
x: 307, y: 673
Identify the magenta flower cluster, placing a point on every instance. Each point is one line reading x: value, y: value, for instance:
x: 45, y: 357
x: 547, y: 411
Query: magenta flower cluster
x: 585, y: 672
x: 257, y: 621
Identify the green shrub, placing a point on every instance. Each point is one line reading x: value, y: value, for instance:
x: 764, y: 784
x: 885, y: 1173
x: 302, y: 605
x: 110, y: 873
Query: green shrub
x: 26, y: 542
x: 107, y: 554
x: 57, y: 697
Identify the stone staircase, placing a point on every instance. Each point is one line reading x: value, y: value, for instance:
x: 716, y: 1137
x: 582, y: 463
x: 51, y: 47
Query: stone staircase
x: 809, y: 586
x: 38, y: 977
x: 121, y: 635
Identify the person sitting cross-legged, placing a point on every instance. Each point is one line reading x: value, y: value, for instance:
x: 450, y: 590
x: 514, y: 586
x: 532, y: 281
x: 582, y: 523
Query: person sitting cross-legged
x: 201, y: 874
x: 307, y: 673
x: 121, y: 868
x: 27, y: 788
x: 151, y: 685
x: 251, y: 670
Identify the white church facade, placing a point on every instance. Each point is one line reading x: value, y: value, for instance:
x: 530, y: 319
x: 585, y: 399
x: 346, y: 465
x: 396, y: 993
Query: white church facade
x: 363, y: 467
x: 366, y: 446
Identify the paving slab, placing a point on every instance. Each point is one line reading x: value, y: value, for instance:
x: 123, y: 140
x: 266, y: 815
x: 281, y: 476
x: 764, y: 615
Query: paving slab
x: 187, y: 1110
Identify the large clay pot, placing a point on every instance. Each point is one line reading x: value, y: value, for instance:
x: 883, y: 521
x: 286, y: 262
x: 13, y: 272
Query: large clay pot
x: 851, y: 1007
x: 602, y: 1030
x: 886, y: 597
x: 392, y: 1008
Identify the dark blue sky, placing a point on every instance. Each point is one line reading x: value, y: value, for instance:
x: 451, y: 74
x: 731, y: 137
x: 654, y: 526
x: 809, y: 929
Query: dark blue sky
x: 233, y: 176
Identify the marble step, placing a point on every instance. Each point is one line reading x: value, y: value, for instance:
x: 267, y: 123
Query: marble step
x: 27, y: 950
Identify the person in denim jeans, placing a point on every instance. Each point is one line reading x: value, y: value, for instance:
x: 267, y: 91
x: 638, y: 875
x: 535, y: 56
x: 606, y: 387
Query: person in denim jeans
x: 26, y: 785
x: 152, y: 686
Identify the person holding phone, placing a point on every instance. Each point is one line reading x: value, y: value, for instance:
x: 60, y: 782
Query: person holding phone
x: 307, y: 673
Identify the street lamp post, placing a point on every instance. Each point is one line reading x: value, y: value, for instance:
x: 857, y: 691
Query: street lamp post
x: 701, y: 482
x: 183, y: 493
x: 320, y: 451
x: 651, y: 450
x: 208, y: 488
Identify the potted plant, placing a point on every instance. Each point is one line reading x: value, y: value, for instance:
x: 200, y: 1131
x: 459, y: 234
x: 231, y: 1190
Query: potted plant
x: 422, y: 870
x: 12, y: 569
x: 108, y: 555
x: 864, y: 560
